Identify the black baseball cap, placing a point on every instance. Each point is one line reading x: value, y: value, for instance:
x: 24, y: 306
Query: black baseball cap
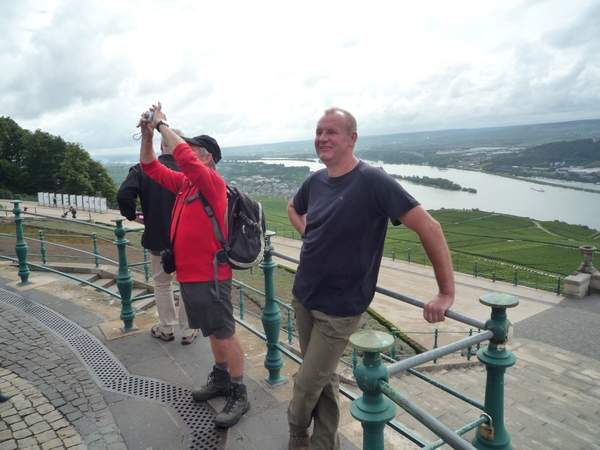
x: 207, y: 142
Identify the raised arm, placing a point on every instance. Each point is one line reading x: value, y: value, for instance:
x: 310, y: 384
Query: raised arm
x: 430, y: 233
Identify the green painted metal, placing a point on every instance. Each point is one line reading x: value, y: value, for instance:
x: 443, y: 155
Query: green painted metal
x: 146, y: 268
x: 436, y: 334
x: 408, y: 256
x: 3, y: 397
x: 124, y: 279
x: 475, y: 271
x: 241, y: 301
x: 447, y: 389
x: 558, y: 287
x: 516, y: 278
x: 21, y: 246
x: 460, y: 432
x: 430, y: 421
x: 373, y: 409
x: 290, y: 326
x: 42, y: 247
x: 497, y: 358
x: 271, y: 318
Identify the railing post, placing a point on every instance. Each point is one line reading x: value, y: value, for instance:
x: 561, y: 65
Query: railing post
x: 42, y: 247
x: 3, y: 397
x: 21, y: 246
x: 516, y: 278
x: 95, y: 241
x: 271, y: 318
x: 394, y: 334
x: 497, y: 358
x: 558, y: 287
x: 436, y: 333
x: 393, y: 253
x: 146, y: 271
x: 241, y: 302
x: 373, y: 410
x: 408, y: 256
x: 469, y: 348
x: 475, y: 271
x: 124, y: 279
x: 290, y: 326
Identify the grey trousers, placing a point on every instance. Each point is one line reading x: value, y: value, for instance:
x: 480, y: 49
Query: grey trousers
x: 323, y: 339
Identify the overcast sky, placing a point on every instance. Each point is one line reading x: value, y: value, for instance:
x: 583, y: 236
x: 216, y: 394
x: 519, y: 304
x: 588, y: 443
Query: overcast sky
x: 250, y: 72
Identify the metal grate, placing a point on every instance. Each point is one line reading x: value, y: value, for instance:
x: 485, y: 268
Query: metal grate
x: 109, y: 374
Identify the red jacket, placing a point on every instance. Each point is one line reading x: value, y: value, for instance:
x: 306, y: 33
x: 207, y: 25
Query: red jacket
x: 195, y: 241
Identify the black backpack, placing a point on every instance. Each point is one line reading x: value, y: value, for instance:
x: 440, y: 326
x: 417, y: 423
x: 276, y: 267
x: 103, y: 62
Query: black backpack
x: 245, y: 221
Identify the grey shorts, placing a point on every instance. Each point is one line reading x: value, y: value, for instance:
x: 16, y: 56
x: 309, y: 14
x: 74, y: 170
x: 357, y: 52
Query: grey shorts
x: 205, y: 312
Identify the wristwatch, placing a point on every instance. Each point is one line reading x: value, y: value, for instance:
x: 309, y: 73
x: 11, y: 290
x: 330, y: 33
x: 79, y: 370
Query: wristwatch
x: 161, y: 122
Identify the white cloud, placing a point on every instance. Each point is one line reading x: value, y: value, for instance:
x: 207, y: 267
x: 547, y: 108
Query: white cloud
x: 257, y: 72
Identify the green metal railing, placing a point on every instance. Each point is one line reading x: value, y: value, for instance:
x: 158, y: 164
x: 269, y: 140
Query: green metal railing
x: 376, y: 407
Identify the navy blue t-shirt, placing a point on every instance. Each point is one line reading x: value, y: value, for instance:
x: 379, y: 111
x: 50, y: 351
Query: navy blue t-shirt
x: 346, y: 223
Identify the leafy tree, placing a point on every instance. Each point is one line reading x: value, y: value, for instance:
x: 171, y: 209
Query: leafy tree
x: 44, y: 155
x: 102, y: 181
x: 40, y: 162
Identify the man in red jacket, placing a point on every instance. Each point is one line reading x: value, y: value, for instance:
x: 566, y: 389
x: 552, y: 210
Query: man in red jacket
x: 205, y: 285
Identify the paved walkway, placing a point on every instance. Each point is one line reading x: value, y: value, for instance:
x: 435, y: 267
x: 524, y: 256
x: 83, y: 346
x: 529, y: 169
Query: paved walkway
x: 72, y: 383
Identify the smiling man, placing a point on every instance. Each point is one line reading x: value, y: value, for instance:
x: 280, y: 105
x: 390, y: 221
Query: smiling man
x: 342, y: 213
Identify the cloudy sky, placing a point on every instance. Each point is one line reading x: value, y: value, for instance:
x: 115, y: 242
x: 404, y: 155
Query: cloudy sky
x: 250, y: 72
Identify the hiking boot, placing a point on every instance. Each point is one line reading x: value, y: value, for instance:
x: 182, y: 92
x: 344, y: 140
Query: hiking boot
x: 299, y: 441
x: 235, y: 406
x: 217, y: 384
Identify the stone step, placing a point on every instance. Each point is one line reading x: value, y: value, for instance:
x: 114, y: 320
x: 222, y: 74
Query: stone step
x: 105, y: 282
x: 544, y: 408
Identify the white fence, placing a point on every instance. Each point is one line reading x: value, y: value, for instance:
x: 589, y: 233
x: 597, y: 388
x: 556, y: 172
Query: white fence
x: 81, y: 202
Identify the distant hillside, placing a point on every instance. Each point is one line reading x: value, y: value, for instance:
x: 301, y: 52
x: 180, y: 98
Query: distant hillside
x: 414, y: 147
x: 583, y: 153
x: 567, y: 160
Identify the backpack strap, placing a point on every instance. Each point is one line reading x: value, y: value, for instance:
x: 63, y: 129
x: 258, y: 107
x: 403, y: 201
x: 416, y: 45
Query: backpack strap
x: 219, y: 235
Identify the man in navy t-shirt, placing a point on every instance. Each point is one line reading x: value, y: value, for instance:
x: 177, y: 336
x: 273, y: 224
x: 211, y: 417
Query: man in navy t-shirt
x: 342, y: 213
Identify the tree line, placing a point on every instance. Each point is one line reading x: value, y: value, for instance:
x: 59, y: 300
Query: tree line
x: 32, y: 162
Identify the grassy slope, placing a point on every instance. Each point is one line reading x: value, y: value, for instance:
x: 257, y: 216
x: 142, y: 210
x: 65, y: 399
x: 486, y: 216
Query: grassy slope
x: 551, y: 247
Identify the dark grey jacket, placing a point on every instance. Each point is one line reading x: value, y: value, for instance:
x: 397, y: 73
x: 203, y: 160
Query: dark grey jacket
x: 157, y: 204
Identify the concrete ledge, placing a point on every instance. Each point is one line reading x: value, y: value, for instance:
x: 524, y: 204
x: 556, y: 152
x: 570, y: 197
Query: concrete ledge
x: 577, y: 285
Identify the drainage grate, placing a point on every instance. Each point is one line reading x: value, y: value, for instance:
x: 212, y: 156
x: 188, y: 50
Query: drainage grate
x: 109, y: 374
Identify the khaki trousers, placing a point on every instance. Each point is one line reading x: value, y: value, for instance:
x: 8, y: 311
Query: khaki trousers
x: 165, y: 303
x: 323, y: 339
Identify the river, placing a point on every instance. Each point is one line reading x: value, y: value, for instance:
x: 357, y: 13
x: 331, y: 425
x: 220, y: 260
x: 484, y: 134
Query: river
x: 494, y: 193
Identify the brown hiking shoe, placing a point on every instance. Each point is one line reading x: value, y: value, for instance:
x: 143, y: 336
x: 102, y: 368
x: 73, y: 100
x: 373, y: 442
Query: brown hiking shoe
x: 299, y: 441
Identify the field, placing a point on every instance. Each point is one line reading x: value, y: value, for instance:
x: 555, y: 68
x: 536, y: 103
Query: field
x: 496, y: 242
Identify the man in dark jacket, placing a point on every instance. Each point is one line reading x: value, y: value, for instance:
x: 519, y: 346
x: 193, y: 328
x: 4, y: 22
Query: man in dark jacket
x: 157, y: 204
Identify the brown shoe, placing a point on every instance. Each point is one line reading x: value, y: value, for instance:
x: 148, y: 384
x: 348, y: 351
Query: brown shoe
x: 189, y: 339
x: 299, y: 441
x: 155, y: 332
